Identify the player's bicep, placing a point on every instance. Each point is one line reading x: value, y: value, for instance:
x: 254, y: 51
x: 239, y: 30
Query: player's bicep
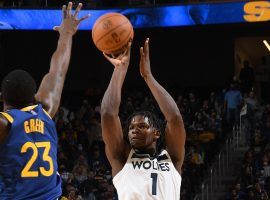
x: 112, y: 134
x: 175, y: 136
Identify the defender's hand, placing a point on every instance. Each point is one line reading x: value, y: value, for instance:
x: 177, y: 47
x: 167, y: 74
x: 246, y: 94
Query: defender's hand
x: 70, y: 22
x: 122, y: 60
x: 145, y: 68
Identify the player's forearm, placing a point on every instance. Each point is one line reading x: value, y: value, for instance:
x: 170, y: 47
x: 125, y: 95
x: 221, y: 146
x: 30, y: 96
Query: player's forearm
x: 112, y: 97
x: 166, y: 103
x: 50, y: 90
x: 61, y: 57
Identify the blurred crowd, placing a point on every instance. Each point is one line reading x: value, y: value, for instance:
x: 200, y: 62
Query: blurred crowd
x: 82, y: 162
x: 253, y: 182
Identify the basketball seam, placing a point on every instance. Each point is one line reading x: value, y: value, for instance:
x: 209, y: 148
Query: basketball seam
x: 94, y: 29
x: 111, y: 31
x: 123, y: 40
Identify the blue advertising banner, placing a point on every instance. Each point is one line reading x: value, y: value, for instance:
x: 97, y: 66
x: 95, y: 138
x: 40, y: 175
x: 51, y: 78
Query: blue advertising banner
x: 145, y: 17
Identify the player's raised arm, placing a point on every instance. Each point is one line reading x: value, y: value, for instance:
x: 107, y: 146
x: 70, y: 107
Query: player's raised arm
x: 50, y: 90
x: 112, y: 132
x: 175, y: 135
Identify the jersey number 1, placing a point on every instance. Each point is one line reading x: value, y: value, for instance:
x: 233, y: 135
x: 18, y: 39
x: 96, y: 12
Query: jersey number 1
x: 26, y: 172
x: 154, y: 183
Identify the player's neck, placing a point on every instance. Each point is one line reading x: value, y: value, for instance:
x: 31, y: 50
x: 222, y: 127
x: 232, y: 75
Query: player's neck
x: 8, y: 107
x: 150, y: 151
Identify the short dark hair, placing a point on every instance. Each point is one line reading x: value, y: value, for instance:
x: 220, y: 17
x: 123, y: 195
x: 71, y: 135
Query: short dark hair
x: 18, y: 88
x: 153, y: 121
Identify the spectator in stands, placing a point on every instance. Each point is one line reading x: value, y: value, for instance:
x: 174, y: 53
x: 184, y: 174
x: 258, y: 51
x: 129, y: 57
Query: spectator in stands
x: 233, y: 195
x: 199, y: 122
x: 247, y: 76
x: 260, y: 193
x: 205, y: 107
x: 236, y: 82
x: 240, y: 190
x: 252, y: 102
x: 62, y: 114
x: 62, y: 160
x: 213, y: 101
x: 88, y: 187
x: 179, y: 101
x: 232, y: 104
x: 255, y: 176
x: 251, y: 195
x: 214, y: 123
x: 65, y: 175
x: 194, y: 104
x: 257, y: 141
x: 249, y: 119
x: 80, y: 173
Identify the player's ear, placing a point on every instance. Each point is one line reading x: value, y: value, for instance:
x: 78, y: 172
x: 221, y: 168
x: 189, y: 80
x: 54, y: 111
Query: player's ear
x: 157, y: 135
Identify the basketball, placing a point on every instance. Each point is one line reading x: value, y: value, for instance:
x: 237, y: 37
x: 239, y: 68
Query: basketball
x: 112, y: 32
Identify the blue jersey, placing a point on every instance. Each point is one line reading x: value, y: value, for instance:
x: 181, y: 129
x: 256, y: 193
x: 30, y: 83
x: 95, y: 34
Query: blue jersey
x: 28, y: 156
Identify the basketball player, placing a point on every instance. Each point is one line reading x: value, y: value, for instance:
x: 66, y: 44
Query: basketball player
x: 139, y: 170
x: 28, y: 138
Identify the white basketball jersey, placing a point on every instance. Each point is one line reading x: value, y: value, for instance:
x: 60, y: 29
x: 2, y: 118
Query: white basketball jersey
x: 145, y: 178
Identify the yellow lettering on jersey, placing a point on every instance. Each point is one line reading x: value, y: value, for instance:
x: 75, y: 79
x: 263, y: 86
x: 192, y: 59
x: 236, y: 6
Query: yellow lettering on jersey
x: 27, y: 172
x: 26, y: 127
x: 34, y: 125
x: 257, y: 11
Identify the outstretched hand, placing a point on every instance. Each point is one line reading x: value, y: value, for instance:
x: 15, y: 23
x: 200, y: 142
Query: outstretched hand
x: 145, y: 68
x: 121, y: 60
x: 70, y: 22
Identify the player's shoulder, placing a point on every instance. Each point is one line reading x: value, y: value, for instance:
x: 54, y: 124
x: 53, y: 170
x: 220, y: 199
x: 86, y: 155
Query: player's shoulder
x: 164, y: 155
x: 3, y: 120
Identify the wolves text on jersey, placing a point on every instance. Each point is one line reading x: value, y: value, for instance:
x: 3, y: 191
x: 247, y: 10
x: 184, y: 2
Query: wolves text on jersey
x: 163, y: 166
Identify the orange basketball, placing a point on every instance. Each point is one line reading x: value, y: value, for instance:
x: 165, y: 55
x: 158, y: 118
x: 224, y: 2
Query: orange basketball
x: 112, y: 32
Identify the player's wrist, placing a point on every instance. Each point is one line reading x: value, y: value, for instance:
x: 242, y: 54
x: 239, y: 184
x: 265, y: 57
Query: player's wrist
x: 66, y: 34
x: 148, y: 77
x: 121, y: 69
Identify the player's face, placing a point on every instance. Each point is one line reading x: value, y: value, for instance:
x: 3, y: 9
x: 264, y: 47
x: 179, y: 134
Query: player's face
x: 141, y: 134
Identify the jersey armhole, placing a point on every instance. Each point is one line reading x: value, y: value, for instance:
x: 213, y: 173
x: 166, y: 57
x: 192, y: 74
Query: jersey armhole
x: 122, y: 170
x: 40, y: 104
x: 167, y: 153
x: 46, y: 113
